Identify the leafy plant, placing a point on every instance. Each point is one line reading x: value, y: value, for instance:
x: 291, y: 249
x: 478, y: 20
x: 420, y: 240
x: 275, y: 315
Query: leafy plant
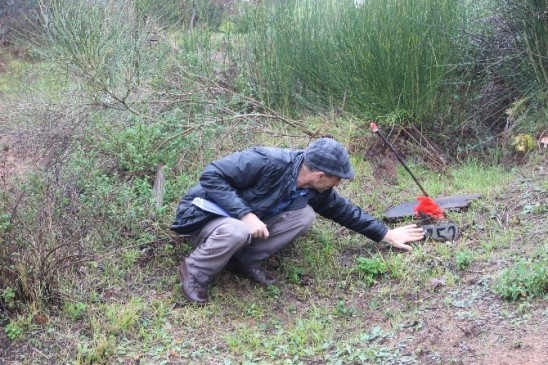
x: 523, y: 143
x: 523, y: 280
x: 5, y: 220
x: 463, y: 259
x: 369, y: 269
x: 13, y: 330
x: 272, y: 291
x: 343, y: 310
x: 8, y: 297
x: 295, y: 274
x: 75, y: 310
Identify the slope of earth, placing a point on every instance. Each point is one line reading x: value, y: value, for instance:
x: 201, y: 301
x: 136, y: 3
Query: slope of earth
x: 321, y: 312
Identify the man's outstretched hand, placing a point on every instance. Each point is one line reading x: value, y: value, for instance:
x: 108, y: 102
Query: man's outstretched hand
x: 398, y: 237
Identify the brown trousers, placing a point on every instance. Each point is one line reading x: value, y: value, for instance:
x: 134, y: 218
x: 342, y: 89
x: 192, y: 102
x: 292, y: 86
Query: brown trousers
x: 225, y: 238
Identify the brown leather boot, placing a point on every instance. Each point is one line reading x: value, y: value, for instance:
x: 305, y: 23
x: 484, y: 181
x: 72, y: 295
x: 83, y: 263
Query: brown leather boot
x: 256, y: 274
x: 192, y: 290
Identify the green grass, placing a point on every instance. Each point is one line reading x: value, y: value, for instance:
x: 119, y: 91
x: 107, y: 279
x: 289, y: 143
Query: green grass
x: 337, y: 290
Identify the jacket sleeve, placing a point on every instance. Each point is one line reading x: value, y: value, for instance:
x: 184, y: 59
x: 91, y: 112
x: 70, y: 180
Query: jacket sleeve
x: 222, y: 179
x: 341, y: 210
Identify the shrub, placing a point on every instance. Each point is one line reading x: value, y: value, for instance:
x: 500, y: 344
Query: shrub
x: 509, y: 66
x: 527, y: 21
x: 104, y: 45
x: 47, y: 237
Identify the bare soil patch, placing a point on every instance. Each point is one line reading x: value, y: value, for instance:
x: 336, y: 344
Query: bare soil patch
x: 487, y: 332
x: 16, y: 160
x: 19, y: 153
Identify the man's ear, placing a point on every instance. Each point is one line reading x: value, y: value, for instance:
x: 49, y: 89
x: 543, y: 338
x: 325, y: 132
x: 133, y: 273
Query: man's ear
x: 319, y: 174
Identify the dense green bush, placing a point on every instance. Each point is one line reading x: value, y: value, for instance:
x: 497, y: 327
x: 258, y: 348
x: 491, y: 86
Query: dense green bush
x: 527, y: 22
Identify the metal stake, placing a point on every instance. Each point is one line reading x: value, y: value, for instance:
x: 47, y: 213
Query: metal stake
x: 375, y: 129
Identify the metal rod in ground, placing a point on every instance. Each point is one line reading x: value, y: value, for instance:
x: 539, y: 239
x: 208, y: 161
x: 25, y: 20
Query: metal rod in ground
x: 376, y: 130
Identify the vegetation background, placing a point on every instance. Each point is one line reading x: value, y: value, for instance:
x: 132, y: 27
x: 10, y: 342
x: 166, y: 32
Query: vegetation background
x: 110, y: 109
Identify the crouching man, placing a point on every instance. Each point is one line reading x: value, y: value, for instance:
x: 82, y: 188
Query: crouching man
x: 250, y: 204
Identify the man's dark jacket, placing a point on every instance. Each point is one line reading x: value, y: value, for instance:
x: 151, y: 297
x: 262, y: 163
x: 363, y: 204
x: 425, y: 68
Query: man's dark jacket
x: 255, y: 181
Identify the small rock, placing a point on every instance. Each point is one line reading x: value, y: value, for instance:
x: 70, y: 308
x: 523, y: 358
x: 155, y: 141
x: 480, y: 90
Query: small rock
x: 436, y: 283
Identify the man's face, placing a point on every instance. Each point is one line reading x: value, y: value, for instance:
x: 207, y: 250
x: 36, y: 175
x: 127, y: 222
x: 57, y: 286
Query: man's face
x: 324, y: 182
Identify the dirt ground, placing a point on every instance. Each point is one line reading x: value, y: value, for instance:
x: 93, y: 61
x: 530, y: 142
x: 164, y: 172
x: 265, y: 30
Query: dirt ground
x: 15, y: 161
x: 484, y: 332
x: 19, y: 151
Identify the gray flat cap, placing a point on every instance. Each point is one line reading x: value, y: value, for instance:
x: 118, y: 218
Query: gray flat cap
x: 329, y: 156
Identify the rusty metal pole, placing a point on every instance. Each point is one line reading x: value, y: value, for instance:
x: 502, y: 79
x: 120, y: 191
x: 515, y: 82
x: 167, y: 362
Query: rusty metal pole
x: 375, y: 129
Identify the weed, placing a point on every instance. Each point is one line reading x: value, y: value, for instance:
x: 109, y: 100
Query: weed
x: 525, y: 279
x: 444, y: 251
x: 13, y: 330
x: 488, y: 246
x: 374, y: 304
x: 122, y: 318
x: 254, y: 310
x: 75, y: 310
x: 396, y: 266
x: 536, y: 208
x: 8, y: 297
x: 375, y: 333
x: 294, y: 275
x: 129, y: 258
x: 273, y: 291
x: 369, y: 269
x: 101, y: 349
x: 463, y: 259
x: 342, y: 310
x: 5, y: 221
